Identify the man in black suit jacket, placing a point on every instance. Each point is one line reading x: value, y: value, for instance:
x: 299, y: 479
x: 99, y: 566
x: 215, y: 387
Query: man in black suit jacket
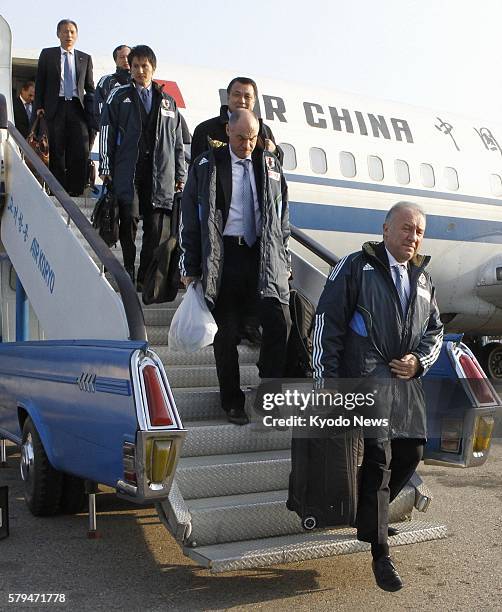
x: 64, y: 76
x: 23, y: 108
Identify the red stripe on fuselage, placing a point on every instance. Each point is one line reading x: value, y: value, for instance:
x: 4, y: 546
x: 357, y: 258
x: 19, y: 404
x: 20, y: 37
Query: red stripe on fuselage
x: 171, y: 88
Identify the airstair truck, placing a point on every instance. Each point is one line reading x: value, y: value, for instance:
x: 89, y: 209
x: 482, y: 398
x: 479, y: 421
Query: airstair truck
x: 81, y: 391
x: 88, y: 397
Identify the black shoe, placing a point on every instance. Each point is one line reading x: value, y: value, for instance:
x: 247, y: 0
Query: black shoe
x: 386, y: 575
x: 139, y: 286
x: 237, y: 416
x: 392, y: 531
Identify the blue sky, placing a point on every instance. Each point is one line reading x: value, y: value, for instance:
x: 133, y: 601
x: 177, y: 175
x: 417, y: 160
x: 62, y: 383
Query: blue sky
x: 443, y: 54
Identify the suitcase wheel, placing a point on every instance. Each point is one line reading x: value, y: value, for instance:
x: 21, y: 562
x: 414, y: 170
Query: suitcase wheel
x: 309, y: 523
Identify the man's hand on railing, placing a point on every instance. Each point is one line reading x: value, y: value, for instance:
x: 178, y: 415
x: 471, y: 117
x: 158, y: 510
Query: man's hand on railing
x: 105, y: 177
x: 179, y: 186
x: 40, y: 112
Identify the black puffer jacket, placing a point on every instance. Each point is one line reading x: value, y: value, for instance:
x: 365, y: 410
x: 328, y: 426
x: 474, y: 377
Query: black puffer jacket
x: 119, y: 145
x: 360, y: 328
x: 204, y: 211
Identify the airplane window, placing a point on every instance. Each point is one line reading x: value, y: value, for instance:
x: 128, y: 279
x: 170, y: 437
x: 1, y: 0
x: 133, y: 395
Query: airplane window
x: 347, y: 164
x: 402, y: 171
x: 318, y: 161
x: 496, y: 184
x: 451, y: 178
x: 289, y: 161
x: 427, y: 175
x: 375, y: 168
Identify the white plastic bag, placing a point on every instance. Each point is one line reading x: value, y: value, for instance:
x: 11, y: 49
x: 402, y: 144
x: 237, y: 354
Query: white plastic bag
x: 193, y: 326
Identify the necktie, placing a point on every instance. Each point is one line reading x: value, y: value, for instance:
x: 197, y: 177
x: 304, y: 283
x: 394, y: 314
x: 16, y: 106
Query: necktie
x: 400, y: 271
x: 68, y: 81
x: 248, y: 216
x: 27, y: 106
x: 145, y: 98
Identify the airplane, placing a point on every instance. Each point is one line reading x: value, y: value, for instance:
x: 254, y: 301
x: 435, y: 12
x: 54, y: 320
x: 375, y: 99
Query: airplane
x: 349, y: 158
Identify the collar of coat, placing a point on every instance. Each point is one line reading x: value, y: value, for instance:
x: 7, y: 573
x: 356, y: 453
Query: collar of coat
x: 376, y: 251
x: 224, y: 117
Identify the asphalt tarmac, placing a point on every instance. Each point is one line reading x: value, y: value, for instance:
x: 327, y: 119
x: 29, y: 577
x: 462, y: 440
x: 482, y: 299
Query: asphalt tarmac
x: 137, y: 565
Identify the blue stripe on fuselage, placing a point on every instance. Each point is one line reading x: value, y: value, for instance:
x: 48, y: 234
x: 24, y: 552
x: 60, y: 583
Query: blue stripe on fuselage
x: 337, y: 218
x: 404, y: 191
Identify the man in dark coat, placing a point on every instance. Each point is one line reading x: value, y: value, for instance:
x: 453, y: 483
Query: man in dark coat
x: 121, y: 76
x: 23, y: 108
x: 64, y: 76
x: 234, y: 237
x: 378, y: 318
x: 242, y: 92
x: 141, y: 152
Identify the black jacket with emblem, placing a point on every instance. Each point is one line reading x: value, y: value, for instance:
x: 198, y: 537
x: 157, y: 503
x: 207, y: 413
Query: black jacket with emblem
x: 119, y: 139
x: 103, y: 89
x: 204, y: 212
x: 360, y: 328
x: 215, y: 129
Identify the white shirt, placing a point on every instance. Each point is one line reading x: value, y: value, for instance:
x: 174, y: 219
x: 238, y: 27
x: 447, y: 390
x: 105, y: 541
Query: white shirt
x: 393, y: 263
x: 235, y: 223
x: 73, y: 71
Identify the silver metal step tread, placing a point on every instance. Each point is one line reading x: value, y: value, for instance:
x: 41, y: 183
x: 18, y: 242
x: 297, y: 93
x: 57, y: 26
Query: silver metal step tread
x: 248, y: 355
x: 302, y: 546
x: 219, y: 437
x: 205, y: 375
x: 225, y: 475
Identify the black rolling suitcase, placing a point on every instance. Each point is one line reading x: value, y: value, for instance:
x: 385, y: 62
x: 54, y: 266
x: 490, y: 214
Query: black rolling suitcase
x: 323, y: 481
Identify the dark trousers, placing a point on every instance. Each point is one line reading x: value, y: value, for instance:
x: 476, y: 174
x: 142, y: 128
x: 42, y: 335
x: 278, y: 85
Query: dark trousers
x: 387, y: 467
x: 69, y: 146
x: 237, y: 300
x: 154, y: 221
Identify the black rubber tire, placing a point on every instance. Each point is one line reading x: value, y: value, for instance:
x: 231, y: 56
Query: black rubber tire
x: 491, y: 360
x: 72, y: 495
x: 42, y: 489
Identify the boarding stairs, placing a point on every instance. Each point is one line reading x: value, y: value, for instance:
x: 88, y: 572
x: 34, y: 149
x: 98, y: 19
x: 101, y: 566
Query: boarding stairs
x: 227, y: 506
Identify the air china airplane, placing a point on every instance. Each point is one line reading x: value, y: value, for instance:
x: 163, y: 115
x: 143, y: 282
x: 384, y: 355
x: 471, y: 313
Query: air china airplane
x: 348, y: 158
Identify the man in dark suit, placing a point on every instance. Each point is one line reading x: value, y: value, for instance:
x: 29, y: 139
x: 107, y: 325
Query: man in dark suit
x: 23, y: 108
x: 64, y: 76
x: 234, y: 237
x: 241, y: 93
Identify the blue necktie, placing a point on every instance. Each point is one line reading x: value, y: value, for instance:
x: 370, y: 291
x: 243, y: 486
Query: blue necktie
x: 248, y: 216
x: 145, y: 97
x: 68, y: 81
x: 400, y: 271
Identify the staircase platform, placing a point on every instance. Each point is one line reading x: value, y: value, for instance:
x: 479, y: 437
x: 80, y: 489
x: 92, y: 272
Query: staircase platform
x: 302, y: 546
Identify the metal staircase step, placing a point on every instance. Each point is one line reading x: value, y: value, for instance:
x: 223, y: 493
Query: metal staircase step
x: 198, y: 403
x: 247, y: 354
x: 216, y: 520
x: 158, y: 315
x: 205, y: 376
x: 241, y: 517
x: 220, y: 475
x: 219, y: 437
x: 300, y: 547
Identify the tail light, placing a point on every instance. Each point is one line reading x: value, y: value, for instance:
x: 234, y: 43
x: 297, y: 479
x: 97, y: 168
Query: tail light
x: 483, y: 433
x: 451, y: 435
x: 158, y: 408
x: 160, y: 460
x: 129, y: 462
x: 476, y: 380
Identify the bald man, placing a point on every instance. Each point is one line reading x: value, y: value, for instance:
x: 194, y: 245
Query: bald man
x: 234, y: 239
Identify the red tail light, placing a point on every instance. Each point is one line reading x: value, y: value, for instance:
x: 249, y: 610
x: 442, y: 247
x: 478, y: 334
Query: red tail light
x: 476, y: 380
x: 157, y: 404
